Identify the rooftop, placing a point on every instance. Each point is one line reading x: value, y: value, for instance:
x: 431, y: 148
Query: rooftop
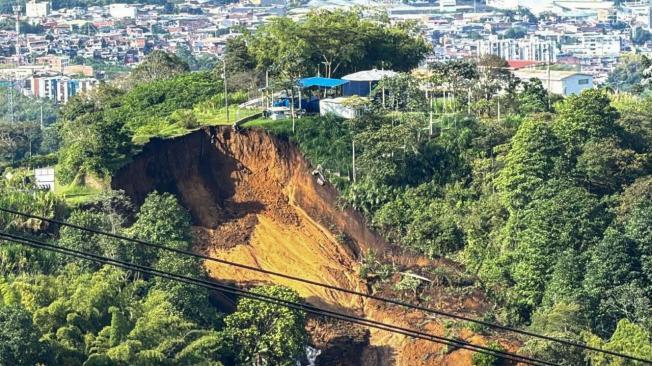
x: 543, y: 74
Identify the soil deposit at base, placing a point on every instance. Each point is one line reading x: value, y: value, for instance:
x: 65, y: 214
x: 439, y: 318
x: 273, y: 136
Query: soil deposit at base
x: 254, y: 201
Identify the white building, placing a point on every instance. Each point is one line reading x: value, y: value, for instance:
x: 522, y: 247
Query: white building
x: 504, y: 4
x: 531, y: 49
x: 445, y: 5
x: 594, y: 45
x: 44, y: 178
x: 123, y: 11
x: 341, y: 107
x: 560, y: 7
x: 60, y: 88
x: 37, y: 10
x: 639, y: 12
x: 559, y: 82
x: 535, y: 6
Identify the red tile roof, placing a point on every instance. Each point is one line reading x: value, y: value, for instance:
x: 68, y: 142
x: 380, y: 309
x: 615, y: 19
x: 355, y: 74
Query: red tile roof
x: 521, y: 64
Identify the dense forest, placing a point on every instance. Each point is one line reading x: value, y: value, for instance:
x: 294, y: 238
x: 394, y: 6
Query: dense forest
x: 59, y: 311
x: 547, y: 201
x: 550, y: 209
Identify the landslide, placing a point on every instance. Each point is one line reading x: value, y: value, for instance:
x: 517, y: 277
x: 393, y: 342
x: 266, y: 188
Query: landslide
x: 254, y: 200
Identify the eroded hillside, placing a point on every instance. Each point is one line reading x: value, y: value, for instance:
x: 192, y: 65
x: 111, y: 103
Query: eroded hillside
x: 255, y: 201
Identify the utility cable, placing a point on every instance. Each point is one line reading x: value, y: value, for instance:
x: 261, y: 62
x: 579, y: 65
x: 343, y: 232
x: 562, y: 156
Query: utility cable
x: 261, y: 297
x: 335, y: 288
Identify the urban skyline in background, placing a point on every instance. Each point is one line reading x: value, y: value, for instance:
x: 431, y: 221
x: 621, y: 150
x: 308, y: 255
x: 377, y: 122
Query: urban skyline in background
x: 56, y: 53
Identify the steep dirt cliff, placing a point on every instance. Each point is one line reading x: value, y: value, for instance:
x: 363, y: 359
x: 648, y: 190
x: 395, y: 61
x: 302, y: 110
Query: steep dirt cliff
x: 254, y: 201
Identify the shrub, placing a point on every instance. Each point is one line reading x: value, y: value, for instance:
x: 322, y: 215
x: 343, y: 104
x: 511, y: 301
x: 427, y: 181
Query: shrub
x: 483, y: 359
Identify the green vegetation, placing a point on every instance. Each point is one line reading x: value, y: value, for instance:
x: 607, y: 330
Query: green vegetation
x: 549, y: 207
x: 480, y: 359
x: 546, y: 201
x: 21, y: 136
x: 628, y: 74
x: 77, y: 193
x: 97, y: 131
x: 111, y: 70
x: 159, y: 65
x: 341, y: 39
x: 25, y: 27
x: 55, y: 310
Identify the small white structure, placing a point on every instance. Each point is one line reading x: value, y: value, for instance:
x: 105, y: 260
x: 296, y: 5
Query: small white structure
x: 278, y: 113
x: 339, y: 107
x: 123, y: 11
x: 45, y: 178
x: 559, y: 82
x: 37, y: 10
x: 445, y: 5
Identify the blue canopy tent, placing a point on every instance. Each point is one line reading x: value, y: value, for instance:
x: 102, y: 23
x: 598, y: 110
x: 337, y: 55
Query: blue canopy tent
x: 321, y: 82
x: 311, y: 105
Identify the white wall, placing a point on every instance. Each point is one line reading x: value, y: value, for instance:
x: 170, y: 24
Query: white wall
x: 123, y: 11
x: 332, y: 106
x: 37, y: 10
x: 575, y: 84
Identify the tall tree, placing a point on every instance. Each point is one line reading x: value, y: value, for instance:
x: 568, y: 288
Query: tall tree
x: 159, y: 65
x: 628, y: 338
x: 584, y: 117
x: 533, y: 159
x: 19, y: 339
x: 256, y: 328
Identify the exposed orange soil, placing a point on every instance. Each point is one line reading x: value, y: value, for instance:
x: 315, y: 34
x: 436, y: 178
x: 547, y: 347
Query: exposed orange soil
x: 256, y: 203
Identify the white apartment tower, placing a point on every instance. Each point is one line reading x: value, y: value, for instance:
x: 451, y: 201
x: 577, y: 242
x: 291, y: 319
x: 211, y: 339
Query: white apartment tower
x: 530, y: 49
x: 35, y: 9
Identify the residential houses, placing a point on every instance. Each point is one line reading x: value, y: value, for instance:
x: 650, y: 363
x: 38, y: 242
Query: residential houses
x: 588, y: 36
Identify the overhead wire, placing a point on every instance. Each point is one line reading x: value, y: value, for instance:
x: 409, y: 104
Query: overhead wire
x: 266, y: 298
x: 335, y: 288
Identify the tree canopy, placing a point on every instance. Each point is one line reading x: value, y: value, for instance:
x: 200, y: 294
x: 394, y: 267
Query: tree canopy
x: 331, y: 43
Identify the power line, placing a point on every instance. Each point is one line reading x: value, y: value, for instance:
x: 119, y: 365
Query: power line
x: 335, y: 288
x: 261, y: 297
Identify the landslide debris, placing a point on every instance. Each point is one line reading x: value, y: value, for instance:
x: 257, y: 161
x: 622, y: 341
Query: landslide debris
x: 254, y: 201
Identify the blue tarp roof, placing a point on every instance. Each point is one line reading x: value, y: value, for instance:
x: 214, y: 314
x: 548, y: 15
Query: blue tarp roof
x: 321, y: 82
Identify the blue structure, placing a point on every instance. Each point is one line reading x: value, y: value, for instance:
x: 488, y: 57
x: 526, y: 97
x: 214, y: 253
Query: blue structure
x: 361, y: 88
x: 321, y: 82
x: 312, y: 105
x: 361, y: 83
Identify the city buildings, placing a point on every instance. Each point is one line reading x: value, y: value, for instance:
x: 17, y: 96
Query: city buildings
x: 588, y: 36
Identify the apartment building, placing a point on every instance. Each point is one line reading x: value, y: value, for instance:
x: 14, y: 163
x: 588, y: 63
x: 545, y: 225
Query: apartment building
x: 531, y: 49
x: 60, y: 88
x: 593, y: 45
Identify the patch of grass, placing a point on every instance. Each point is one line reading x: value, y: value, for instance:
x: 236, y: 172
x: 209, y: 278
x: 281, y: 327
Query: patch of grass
x: 261, y: 122
x: 75, y: 194
x: 218, y: 116
x: 175, y: 125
